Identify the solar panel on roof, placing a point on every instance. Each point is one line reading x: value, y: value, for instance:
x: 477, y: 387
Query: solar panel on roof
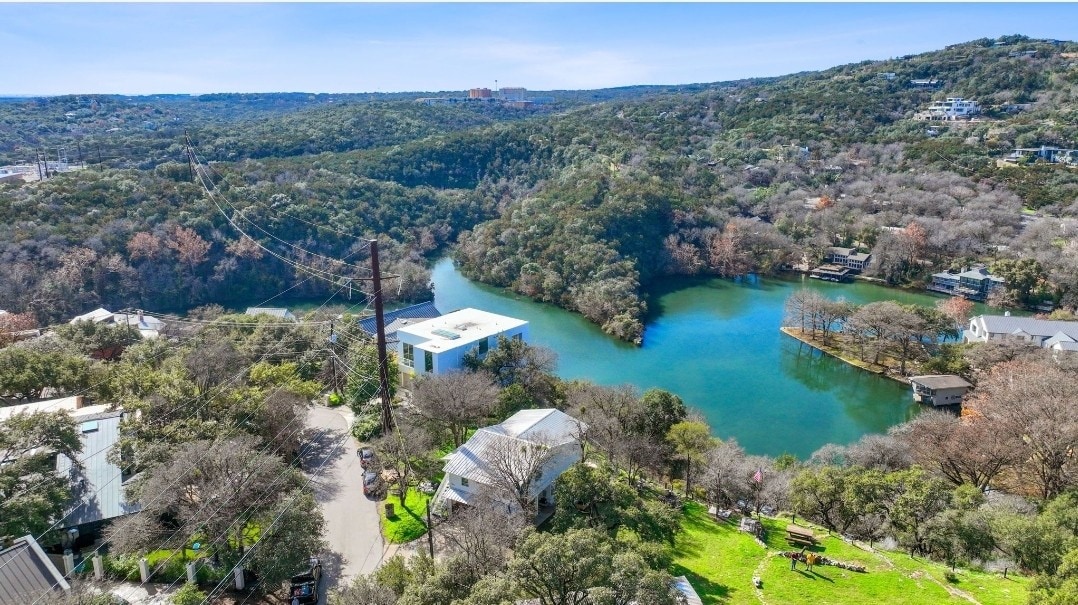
x: 448, y: 334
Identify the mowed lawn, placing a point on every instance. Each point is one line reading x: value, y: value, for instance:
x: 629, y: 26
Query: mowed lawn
x: 720, y: 562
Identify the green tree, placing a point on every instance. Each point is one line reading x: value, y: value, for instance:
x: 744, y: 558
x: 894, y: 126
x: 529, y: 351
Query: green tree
x: 1022, y: 276
x: 32, y: 494
x: 26, y: 371
x: 691, y: 439
x: 662, y: 410
x: 362, y: 384
x: 1059, y: 588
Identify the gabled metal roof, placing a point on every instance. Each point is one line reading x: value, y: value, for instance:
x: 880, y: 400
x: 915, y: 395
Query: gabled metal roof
x: 394, y: 320
x: 26, y: 573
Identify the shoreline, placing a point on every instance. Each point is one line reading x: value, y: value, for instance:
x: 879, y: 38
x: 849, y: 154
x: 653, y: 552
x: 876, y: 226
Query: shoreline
x: 882, y: 372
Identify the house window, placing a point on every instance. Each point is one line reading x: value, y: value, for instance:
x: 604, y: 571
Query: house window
x: 428, y: 361
x: 409, y: 355
x: 464, y: 482
x: 518, y: 337
x: 484, y: 346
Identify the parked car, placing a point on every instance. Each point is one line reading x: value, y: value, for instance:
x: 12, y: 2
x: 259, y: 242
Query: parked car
x: 304, y: 587
x: 366, y: 456
x: 372, y: 482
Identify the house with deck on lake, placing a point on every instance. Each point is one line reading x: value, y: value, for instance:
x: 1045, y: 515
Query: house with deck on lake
x: 975, y: 284
x: 939, y: 389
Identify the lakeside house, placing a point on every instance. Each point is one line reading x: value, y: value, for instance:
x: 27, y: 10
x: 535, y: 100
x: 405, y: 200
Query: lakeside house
x: 848, y: 257
x: 438, y: 346
x: 830, y: 272
x: 278, y: 312
x: 939, y: 389
x: 1044, y: 333
x: 975, y: 284
x: 544, y: 443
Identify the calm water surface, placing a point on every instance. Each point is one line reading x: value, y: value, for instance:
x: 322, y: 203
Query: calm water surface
x: 717, y: 344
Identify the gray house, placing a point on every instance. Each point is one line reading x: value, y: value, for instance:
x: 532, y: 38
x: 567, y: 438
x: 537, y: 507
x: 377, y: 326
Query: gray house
x: 939, y: 389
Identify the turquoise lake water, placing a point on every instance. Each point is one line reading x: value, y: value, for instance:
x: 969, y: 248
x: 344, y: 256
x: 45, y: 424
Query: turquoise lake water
x: 717, y: 344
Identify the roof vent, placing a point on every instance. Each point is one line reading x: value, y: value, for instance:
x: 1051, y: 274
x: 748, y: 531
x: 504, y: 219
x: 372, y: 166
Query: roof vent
x: 1006, y: 313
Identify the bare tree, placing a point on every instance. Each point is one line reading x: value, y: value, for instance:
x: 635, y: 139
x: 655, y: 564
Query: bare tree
x: 962, y: 450
x: 407, y: 451
x: 880, y: 452
x: 514, y: 465
x: 1035, y: 403
x: 456, y: 401
x: 483, y: 533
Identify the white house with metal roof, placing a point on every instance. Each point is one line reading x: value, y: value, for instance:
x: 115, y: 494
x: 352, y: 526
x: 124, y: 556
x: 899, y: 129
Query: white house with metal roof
x: 438, y: 345
x: 278, y: 312
x: 147, y: 325
x: 1045, y: 333
x: 480, y: 464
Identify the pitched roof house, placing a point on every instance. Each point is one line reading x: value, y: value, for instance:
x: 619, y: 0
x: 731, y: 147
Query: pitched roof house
x: 1045, y: 333
x: 541, y: 443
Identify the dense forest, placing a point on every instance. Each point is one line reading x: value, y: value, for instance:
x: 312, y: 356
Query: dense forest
x: 583, y: 203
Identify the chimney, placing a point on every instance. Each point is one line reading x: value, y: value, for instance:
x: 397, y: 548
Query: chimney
x: 1006, y: 313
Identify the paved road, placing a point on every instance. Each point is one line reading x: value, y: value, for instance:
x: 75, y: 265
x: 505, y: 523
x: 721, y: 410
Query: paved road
x: 355, y: 542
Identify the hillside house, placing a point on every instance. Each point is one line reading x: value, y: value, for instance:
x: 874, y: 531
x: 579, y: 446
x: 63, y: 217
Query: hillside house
x: 481, y: 465
x: 1051, y: 155
x: 974, y: 284
x: 940, y: 389
x: 848, y: 257
x: 438, y: 345
x: 952, y: 108
x: 1045, y: 333
x: 147, y: 325
x: 97, y: 484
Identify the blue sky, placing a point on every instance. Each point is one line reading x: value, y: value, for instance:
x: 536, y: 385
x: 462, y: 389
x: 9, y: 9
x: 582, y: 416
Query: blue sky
x: 253, y: 47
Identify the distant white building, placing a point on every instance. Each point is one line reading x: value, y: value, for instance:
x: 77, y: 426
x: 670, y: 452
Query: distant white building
x: 1044, y: 333
x: 475, y: 466
x: 147, y: 325
x: 438, y: 346
x: 953, y: 108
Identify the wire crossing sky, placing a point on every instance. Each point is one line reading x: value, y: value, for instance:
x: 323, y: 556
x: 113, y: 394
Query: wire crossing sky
x: 199, y: 48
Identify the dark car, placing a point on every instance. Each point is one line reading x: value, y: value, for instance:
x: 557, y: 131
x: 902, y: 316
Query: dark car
x: 366, y: 456
x: 371, y: 482
x: 304, y: 586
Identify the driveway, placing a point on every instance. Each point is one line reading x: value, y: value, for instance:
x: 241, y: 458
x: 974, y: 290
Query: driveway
x: 352, y: 532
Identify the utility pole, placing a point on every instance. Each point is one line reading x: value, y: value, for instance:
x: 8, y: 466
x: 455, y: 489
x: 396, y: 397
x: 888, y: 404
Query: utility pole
x: 383, y: 359
x: 333, y: 358
x: 430, y: 532
x: 190, y: 155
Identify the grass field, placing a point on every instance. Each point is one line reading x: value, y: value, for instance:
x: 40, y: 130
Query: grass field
x: 721, y: 561
x: 408, y: 522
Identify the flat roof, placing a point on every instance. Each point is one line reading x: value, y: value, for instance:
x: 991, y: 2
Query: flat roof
x: 941, y: 381
x: 459, y: 328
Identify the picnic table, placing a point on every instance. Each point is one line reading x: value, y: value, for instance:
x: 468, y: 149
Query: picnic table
x: 796, y: 534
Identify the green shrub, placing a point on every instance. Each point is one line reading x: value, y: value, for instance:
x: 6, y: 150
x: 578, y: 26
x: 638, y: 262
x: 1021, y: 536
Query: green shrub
x: 334, y: 400
x: 367, y: 427
x: 188, y: 594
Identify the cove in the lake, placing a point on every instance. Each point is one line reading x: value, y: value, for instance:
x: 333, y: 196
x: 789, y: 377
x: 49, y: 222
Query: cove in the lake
x: 716, y: 343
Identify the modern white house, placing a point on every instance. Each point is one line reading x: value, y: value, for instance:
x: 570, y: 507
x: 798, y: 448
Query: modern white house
x: 438, y: 345
x: 953, y: 108
x: 544, y: 440
x: 1044, y: 333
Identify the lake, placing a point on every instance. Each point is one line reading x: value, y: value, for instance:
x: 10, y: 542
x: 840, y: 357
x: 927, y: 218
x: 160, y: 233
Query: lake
x: 716, y: 343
